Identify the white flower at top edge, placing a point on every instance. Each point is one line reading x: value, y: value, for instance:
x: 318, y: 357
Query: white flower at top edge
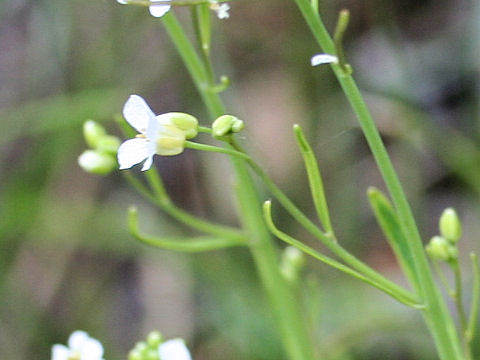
x: 174, y: 349
x: 320, y: 59
x: 156, y: 10
x: 157, y: 135
x: 80, y: 347
x: 220, y: 9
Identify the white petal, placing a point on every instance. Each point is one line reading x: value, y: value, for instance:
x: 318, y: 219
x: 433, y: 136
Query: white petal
x: 148, y: 163
x: 137, y: 113
x: 164, y: 119
x: 77, y: 340
x: 174, y: 349
x: 133, y: 152
x: 60, y: 352
x: 159, y: 10
x: 323, y: 59
x: 222, y: 11
x: 92, y: 350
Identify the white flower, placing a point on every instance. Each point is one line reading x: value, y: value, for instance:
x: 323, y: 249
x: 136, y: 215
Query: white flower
x: 174, y: 349
x: 323, y: 59
x: 156, y: 10
x: 220, y: 9
x: 158, y: 135
x: 80, y: 347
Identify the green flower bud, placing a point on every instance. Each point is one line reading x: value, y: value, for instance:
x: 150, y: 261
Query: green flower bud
x: 185, y: 122
x: 154, y: 339
x: 141, y: 347
x: 108, y: 144
x: 152, y: 354
x: 135, y: 355
x: 93, y: 133
x: 170, y: 140
x: 225, y: 125
x: 293, y: 261
x: 450, y: 225
x: 97, y: 162
x: 440, y: 249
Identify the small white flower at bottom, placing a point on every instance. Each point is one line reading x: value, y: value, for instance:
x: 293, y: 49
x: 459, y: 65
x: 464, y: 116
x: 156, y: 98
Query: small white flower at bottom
x: 80, y: 347
x: 320, y: 59
x: 174, y: 349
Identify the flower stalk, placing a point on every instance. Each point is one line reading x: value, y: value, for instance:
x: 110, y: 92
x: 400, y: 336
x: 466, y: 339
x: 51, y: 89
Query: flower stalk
x: 436, y: 315
x: 285, y: 308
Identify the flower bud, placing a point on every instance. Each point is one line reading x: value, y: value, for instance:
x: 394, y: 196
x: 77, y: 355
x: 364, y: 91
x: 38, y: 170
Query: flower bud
x: 440, y: 249
x: 141, y: 347
x: 154, y: 339
x: 97, y: 162
x: 152, y: 354
x: 185, y: 122
x: 108, y: 144
x: 292, y: 263
x: 170, y: 140
x: 93, y: 133
x: 225, y: 125
x: 450, y: 225
x: 135, y: 355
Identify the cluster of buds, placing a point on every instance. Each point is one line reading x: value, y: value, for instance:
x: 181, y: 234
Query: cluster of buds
x: 154, y: 348
x: 100, y: 158
x: 226, y: 125
x: 443, y: 247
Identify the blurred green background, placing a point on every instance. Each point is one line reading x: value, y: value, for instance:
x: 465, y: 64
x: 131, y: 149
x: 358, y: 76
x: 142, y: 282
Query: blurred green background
x: 66, y: 259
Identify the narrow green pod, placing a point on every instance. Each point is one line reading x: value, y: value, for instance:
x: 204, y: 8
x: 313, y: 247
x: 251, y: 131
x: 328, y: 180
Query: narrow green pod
x: 388, y: 221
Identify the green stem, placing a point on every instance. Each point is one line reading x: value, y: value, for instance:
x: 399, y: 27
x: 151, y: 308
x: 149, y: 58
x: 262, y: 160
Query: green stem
x: 216, y: 149
x: 202, y: 26
x: 472, y: 321
x: 329, y: 261
x: 458, y: 300
x: 180, y: 215
x: 436, y: 315
x: 194, y: 64
x: 286, y: 308
x: 204, y: 129
x: 198, y: 244
x: 443, y: 279
x: 327, y: 239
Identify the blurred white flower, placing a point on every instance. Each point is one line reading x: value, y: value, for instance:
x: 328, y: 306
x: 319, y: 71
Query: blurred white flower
x: 156, y: 10
x: 97, y: 162
x: 323, y: 59
x: 220, y: 9
x: 158, y: 135
x: 174, y: 349
x: 80, y: 347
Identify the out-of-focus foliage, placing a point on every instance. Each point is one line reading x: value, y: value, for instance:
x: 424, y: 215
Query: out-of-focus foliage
x: 66, y: 259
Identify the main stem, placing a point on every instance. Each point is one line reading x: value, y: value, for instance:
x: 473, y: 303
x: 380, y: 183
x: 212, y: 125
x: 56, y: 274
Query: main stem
x: 286, y: 309
x: 436, y: 315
